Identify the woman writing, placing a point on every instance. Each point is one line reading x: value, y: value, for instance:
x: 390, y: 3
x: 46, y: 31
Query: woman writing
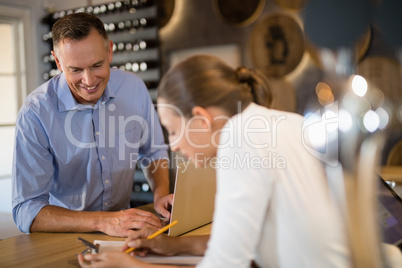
x: 272, y: 206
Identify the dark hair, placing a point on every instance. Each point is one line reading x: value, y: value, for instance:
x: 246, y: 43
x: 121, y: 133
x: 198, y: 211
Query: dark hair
x: 76, y: 26
x: 206, y: 81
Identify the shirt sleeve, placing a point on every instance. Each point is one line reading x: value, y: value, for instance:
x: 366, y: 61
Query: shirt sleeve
x: 33, y: 170
x: 153, y: 146
x: 241, y: 204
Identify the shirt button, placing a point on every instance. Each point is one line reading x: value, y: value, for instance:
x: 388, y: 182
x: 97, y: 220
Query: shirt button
x: 106, y: 181
x: 103, y: 158
x: 97, y: 133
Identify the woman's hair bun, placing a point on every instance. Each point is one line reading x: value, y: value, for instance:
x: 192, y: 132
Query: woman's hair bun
x: 245, y: 75
x: 257, y: 83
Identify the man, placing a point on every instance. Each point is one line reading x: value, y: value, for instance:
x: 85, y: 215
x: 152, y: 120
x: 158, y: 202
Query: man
x: 78, y: 139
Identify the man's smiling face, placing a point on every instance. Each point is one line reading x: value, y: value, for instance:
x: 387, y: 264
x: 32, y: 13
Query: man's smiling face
x: 86, y: 66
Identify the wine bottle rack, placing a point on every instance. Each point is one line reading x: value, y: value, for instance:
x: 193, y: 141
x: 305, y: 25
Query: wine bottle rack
x: 132, y: 26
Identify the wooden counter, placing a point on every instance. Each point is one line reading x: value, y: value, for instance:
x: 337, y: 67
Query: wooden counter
x: 45, y: 249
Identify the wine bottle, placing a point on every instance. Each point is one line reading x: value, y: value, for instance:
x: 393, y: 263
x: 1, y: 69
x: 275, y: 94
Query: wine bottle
x: 45, y: 76
x: 128, y: 47
x: 120, y: 46
x: 96, y: 10
x: 121, y: 25
x: 46, y: 37
x: 135, y: 23
x: 102, y: 9
x: 128, y: 24
x: 80, y: 10
x: 135, y: 67
x: 54, y: 72
x: 147, y: 22
x: 48, y: 58
x: 45, y: 59
x: 90, y: 9
x: 143, y: 66
x: 128, y: 66
x: 112, y: 27
x: 62, y: 14
x: 144, y: 44
x: 111, y: 8
x: 119, y: 6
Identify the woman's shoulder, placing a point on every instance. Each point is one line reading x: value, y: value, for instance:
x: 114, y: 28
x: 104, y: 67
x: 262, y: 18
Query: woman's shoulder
x: 258, y: 112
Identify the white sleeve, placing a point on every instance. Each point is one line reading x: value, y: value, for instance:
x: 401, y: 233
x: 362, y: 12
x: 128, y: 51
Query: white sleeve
x: 243, y: 194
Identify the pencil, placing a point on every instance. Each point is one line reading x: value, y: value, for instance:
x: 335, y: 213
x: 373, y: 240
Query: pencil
x: 160, y: 231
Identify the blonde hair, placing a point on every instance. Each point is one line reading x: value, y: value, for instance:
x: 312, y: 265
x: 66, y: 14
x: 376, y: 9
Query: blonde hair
x: 205, y: 81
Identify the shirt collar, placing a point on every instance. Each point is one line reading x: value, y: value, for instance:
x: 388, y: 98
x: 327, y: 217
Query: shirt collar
x: 67, y: 102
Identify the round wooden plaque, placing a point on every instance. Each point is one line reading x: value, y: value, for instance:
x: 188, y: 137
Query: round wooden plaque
x: 385, y: 74
x: 165, y: 11
x: 276, y: 45
x: 238, y: 12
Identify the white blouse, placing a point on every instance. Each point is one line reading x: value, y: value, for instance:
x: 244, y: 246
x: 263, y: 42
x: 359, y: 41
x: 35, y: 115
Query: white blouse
x: 272, y: 204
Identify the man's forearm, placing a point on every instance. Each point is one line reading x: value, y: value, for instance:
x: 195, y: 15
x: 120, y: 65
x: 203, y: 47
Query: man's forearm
x: 58, y: 219
x: 116, y: 223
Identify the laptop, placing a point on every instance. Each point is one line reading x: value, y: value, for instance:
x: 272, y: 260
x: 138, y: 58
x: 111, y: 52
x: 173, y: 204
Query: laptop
x: 193, y: 199
x: 390, y: 214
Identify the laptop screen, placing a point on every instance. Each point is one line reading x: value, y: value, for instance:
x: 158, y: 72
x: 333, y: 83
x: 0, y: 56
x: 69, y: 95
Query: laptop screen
x: 194, y: 198
x: 390, y: 213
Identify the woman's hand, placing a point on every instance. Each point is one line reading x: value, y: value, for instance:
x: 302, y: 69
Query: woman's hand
x: 162, y: 244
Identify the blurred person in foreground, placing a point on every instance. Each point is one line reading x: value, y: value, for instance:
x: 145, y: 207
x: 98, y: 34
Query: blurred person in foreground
x: 273, y: 207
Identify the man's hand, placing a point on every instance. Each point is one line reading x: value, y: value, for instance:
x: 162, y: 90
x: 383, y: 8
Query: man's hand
x: 120, y: 223
x: 163, y: 204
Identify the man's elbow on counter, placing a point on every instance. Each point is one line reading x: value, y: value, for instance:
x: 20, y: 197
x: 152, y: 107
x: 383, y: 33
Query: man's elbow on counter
x: 23, y: 218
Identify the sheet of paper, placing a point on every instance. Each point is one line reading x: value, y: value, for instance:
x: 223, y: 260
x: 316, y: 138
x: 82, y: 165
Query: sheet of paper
x: 105, y: 246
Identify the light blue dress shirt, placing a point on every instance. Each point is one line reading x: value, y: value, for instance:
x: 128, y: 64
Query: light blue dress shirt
x: 82, y: 157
